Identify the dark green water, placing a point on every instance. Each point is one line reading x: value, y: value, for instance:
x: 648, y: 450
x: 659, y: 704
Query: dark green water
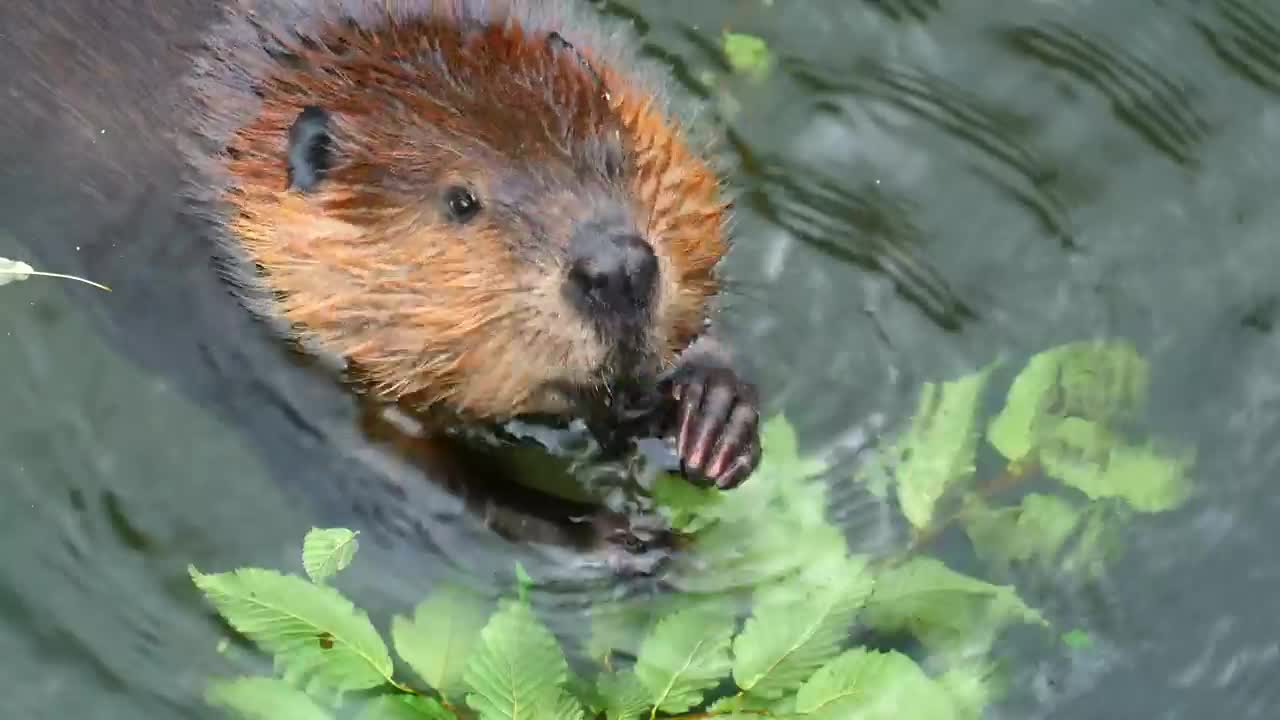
x: 926, y: 184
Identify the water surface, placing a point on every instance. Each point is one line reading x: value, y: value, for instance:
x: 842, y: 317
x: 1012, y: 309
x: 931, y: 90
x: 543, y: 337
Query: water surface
x: 924, y: 185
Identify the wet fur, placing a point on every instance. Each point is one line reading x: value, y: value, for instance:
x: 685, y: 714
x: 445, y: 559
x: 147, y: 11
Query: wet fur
x: 470, y: 319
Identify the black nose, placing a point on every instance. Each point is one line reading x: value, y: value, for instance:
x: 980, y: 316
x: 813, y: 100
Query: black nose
x: 613, y: 273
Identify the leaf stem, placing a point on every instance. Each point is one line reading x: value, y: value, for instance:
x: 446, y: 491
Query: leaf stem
x: 54, y: 275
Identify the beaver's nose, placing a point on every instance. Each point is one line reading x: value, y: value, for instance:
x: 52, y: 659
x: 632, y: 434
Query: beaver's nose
x: 615, y: 272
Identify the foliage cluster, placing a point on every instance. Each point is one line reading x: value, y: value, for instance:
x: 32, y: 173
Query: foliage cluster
x: 797, y: 646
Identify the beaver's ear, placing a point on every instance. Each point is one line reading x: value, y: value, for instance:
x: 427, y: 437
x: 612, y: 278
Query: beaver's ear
x: 310, y: 149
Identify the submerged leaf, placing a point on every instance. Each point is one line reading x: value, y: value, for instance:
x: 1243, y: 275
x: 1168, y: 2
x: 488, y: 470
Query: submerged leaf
x: 264, y: 698
x: 325, y: 553
x: 686, y: 654
x: 1035, y: 531
x: 315, y: 634
x: 747, y: 53
x: 625, y: 696
x: 1098, y: 382
x: 440, y: 637
x: 794, y: 630
x: 937, y: 452
x: 973, y: 688
x: 517, y: 671
x: 406, y: 707
x: 874, y: 686
x: 946, y: 611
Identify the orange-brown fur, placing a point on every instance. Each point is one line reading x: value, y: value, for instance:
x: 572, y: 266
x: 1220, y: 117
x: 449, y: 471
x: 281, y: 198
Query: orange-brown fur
x: 451, y: 316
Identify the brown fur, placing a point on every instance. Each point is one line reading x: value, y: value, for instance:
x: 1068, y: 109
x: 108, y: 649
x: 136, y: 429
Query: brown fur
x: 468, y: 317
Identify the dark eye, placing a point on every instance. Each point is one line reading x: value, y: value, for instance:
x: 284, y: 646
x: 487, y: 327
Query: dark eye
x: 462, y: 204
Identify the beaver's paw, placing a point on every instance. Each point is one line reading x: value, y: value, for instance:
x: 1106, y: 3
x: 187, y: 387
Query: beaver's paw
x: 718, y: 427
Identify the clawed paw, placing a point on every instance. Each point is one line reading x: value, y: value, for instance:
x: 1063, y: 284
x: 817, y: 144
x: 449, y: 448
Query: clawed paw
x: 717, y: 428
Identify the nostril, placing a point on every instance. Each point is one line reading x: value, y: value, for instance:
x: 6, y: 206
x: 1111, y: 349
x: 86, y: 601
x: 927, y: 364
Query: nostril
x: 617, y: 271
x: 642, y: 265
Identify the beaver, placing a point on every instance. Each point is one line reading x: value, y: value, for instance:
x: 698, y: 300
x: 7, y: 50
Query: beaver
x: 477, y: 207
x: 481, y: 209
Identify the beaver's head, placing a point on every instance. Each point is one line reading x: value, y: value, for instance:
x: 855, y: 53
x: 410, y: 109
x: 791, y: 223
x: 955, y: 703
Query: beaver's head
x: 477, y: 216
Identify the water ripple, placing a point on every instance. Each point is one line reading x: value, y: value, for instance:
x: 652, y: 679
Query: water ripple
x: 1156, y: 107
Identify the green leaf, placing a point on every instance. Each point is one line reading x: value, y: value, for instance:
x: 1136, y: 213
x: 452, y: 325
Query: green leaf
x: 686, y: 654
x: 687, y: 507
x: 795, y: 630
x: 1077, y: 639
x: 517, y: 671
x: 325, y: 553
x: 625, y: 696
x: 1148, y: 480
x: 406, y: 707
x: 439, y: 639
x: 938, y: 450
x: 263, y: 698
x: 1035, y: 531
x: 873, y: 686
x: 316, y: 635
x: 1098, y: 382
x: 973, y: 688
x: 946, y: 611
x: 747, y: 53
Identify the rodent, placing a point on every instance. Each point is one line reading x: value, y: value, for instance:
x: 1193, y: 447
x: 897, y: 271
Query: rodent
x: 127, y: 122
x: 479, y: 207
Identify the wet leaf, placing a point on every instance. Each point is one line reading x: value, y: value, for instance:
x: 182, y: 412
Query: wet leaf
x: 686, y: 654
x: 1077, y: 639
x: 517, y: 670
x: 874, y: 686
x: 1034, y: 531
x: 1084, y: 456
x: 1098, y: 382
x: 14, y: 271
x: 795, y: 629
x: 295, y: 620
x: 946, y: 611
x: 325, y: 553
x: 264, y: 698
x: 625, y: 696
x: 406, y: 707
x: 747, y: 54
x: 936, y: 453
x: 439, y: 639
x: 973, y: 688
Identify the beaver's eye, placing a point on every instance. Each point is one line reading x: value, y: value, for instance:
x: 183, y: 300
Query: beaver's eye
x: 462, y: 204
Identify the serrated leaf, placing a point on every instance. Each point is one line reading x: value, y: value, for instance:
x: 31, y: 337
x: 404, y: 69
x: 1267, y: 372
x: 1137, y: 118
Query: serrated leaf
x: 1035, y: 531
x: 687, y: 507
x: 625, y: 696
x: 686, y: 654
x: 517, y: 670
x: 946, y: 611
x: 406, y: 707
x: 937, y: 452
x: 873, y: 686
x: 14, y: 271
x: 315, y: 634
x: 973, y: 688
x: 1098, y: 382
x: 325, y: 553
x: 1147, y: 479
x: 440, y: 637
x: 795, y: 629
x: 264, y: 698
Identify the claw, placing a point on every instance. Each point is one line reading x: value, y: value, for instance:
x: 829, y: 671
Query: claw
x: 717, y: 430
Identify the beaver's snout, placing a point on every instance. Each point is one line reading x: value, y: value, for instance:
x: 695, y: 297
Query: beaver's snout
x: 612, y: 275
